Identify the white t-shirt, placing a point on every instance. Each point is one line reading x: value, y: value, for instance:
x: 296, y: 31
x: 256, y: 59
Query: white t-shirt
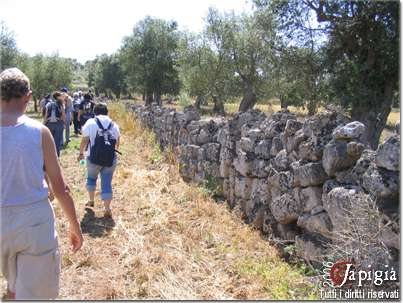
x: 90, y: 129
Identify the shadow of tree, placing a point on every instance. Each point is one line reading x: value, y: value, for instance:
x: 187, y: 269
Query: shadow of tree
x: 96, y: 226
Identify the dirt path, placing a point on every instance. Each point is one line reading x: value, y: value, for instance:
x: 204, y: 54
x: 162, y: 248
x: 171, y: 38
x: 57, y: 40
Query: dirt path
x: 167, y: 239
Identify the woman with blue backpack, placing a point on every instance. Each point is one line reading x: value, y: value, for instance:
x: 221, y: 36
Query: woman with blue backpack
x: 55, y: 119
x: 100, y: 140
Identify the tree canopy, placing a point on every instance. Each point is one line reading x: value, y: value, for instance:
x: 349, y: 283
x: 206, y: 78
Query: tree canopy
x: 150, y: 58
x: 306, y: 53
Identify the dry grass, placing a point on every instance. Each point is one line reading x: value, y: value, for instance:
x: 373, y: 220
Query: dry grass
x: 167, y: 240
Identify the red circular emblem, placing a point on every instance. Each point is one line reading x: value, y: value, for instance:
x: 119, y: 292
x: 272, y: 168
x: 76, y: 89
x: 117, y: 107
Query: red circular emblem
x: 338, y: 271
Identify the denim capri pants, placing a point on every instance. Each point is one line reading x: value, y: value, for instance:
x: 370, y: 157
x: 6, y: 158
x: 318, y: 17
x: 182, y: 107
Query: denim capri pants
x: 93, y: 170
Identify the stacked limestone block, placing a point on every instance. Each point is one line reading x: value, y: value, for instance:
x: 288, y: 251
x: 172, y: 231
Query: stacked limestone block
x: 289, y: 178
x: 199, y: 151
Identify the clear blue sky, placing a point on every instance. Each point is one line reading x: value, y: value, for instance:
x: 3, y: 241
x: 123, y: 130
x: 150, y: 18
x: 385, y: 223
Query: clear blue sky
x: 82, y: 29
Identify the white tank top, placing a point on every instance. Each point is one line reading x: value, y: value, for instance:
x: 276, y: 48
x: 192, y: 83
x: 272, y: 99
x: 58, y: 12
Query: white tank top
x: 22, y: 178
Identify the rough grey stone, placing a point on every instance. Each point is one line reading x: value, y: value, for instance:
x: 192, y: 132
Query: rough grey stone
x: 352, y: 130
x: 276, y: 146
x: 291, y: 127
x: 243, y: 187
x: 247, y: 144
x: 310, y: 197
x: 260, y: 168
x: 337, y: 204
x: 293, y: 141
x: 309, y: 152
x: 311, y: 247
x: 262, y: 149
x: 355, y: 149
x: 319, y: 223
x: 243, y: 163
x: 285, y: 209
x: 279, y: 183
x: 388, y: 154
x: 270, y: 128
x: 380, y: 182
x: 281, y: 161
x: 335, y: 157
x: 212, y: 151
x: 310, y: 174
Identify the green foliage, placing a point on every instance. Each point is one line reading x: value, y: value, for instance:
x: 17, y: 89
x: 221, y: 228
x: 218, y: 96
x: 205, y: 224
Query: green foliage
x: 49, y: 73
x: 354, y: 51
x: 246, y: 47
x: 204, y: 72
x: 149, y: 58
x: 211, y: 186
x: 107, y: 75
x: 8, y: 48
x: 278, y: 278
x: 184, y: 99
x: 46, y: 73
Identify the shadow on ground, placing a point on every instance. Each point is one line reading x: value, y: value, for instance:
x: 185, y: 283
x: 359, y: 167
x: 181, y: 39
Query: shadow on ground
x: 96, y: 226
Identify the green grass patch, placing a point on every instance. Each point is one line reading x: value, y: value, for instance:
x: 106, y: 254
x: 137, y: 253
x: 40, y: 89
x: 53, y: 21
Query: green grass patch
x: 211, y: 186
x: 281, y: 281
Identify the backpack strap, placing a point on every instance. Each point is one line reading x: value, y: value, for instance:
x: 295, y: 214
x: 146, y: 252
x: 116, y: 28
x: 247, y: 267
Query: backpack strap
x: 110, y: 125
x: 99, y: 124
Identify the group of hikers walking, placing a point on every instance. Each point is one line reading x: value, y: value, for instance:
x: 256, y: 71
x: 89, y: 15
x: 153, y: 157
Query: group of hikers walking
x: 61, y: 111
x: 31, y: 176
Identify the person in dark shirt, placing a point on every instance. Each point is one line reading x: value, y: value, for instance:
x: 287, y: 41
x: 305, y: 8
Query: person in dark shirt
x: 86, y: 110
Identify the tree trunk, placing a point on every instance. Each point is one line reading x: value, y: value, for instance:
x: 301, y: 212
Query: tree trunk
x: 248, y: 101
x: 199, y: 101
x: 36, y: 105
x: 283, y: 104
x: 374, y: 117
x: 312, y: 108
x: 218, y: 106
x: 149, y: 99
x: 157, y: 98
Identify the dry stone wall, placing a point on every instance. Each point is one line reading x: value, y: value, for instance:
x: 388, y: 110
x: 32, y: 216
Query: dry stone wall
x: 290, y: 178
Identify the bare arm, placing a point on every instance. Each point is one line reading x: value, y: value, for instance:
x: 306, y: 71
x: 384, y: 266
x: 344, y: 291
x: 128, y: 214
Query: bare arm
x: 50, y: 194
x: 59, y: 187
x: 117, y: 143
x: 46, y: 114
x: 83, y: 146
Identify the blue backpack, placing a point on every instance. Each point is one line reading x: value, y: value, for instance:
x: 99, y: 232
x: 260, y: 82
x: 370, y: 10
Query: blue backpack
x: 103, y: 151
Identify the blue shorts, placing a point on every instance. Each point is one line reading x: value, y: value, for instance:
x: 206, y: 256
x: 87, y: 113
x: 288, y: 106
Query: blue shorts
x: 93, y: 170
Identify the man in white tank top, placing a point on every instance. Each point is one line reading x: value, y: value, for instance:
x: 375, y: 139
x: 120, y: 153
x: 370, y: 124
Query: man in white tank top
x: 30, y: 259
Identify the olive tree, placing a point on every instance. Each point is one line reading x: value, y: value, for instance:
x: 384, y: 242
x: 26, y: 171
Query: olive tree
x: 8, y: 48
x: 360, y: 43
x: 149, y: 58
x: 206, y: 73
x: 247, y: 48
